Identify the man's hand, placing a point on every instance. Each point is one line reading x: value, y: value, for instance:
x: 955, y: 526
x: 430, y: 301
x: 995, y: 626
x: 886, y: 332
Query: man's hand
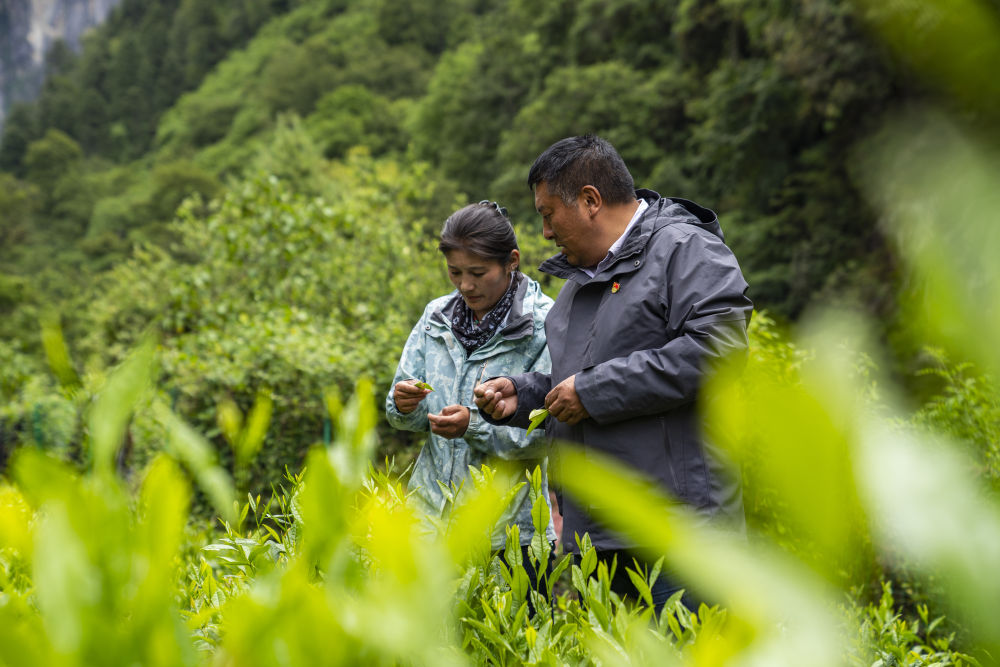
x: 408, y: 396
x: 451, y: 423
x: 496, y: 397
x: 564, y: 404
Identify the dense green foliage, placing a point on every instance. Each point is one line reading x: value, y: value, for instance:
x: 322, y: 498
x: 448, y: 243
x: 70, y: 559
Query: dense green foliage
x: 750, y: 107
x: 337, y: 550
x: 223, y: 215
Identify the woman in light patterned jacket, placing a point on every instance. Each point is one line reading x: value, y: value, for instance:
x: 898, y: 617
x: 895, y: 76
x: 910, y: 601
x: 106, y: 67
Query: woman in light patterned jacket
x: 492, y: 324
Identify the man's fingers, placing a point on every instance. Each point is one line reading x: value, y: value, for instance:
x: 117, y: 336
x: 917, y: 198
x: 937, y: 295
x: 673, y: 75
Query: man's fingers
x: 564, y: 411
x: 493, y: 407
x: 496, y: 384
x: 491, y: 397
x: 486, y: 400
x: 503, y: 386
x: 568, y: 415
x: 564, y: 403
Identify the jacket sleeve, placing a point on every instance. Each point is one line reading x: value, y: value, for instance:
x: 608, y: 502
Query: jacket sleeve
x: 510, y: 441
x: 707, y: 313
x: 412, y: 364
x: 531, y: 389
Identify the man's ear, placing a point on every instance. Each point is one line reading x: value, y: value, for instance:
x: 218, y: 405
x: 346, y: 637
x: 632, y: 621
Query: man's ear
x: 591, y: 198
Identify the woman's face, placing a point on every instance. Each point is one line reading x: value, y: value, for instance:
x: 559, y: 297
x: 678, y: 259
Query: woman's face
x: 480, y: 281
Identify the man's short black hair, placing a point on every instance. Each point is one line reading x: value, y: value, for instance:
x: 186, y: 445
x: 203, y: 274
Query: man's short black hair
x: 571, y: 163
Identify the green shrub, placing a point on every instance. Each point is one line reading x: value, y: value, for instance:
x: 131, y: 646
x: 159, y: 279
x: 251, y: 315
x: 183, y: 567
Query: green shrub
x: 336, y: 568
x: 967, y: 409
x: 276, y: 290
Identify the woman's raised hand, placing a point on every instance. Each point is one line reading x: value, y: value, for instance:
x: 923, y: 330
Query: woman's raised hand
x: 408, y: 395
x: 452, y: 422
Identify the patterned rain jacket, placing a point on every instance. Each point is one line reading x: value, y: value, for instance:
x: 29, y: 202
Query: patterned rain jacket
x: 434, y: 355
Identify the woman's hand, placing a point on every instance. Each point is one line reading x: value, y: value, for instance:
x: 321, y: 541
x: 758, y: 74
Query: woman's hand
x: 408, y: 395
x: 452, y: 422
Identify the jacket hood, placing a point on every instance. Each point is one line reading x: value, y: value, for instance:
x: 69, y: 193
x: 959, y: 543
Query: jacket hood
x: 674, y: 211
x: 662, y: 211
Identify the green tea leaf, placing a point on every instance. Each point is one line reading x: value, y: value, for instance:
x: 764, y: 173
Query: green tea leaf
x: 198, y: 455
x: 57, y: 352
x: 537, y: 417
x: 115, y: 402
x: 423, y: 385
x: 252, y: 437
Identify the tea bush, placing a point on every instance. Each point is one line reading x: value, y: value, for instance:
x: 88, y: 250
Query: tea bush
x: 335, y: 568
x: 287, y: 287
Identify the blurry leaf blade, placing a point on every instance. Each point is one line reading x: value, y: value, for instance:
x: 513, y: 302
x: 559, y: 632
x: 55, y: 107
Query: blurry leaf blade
x: 199, y: 458
x: 936, y: 188
x: 762, y: 587
x: 938, y: 517
x: 57, y: 353
x: 953, y: 43
x: 70, y: 585
x: 117, y: 399
x: 230, y: 420
x: 255, y: 429
x: 15, y: 520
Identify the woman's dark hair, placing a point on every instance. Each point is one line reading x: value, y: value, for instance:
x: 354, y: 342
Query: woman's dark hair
x: 571, y: 163
x: 482, y: 229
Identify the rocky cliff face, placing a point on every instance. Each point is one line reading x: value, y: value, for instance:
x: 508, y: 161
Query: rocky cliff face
x: 28, y: 28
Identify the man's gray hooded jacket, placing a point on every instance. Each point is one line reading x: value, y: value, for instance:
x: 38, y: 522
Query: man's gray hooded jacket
x: 640, y: 337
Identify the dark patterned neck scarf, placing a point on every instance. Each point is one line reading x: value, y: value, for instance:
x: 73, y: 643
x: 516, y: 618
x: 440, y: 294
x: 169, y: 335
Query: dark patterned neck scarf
x: 473, y: 335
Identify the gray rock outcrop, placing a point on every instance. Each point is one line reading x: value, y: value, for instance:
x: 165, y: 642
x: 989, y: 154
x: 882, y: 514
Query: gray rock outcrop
x: 28, y: 29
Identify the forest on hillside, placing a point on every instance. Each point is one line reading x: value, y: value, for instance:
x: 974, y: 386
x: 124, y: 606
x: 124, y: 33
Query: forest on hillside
x: 223, y: 216
x: 754, y: 108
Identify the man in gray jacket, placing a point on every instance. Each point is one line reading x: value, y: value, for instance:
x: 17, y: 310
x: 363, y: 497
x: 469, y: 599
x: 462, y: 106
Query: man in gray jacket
x: 653, y: 299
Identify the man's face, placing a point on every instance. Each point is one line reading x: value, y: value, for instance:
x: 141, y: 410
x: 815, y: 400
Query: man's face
x: 570, y: 226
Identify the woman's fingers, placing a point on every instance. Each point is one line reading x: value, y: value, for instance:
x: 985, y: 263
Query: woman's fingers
x: 451, y: 422
x: 409, y: 388
x: 407, y: 395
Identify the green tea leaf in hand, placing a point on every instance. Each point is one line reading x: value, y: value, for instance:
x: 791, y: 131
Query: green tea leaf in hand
x: 537, y: 417
x: 423, y: 385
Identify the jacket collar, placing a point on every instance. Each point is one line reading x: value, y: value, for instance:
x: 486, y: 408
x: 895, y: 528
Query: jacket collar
x: 520, y: 321
x: 662, y: 211
x: 635, y: 242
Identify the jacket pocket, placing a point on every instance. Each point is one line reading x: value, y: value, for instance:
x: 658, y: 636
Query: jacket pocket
x: 675, y: 455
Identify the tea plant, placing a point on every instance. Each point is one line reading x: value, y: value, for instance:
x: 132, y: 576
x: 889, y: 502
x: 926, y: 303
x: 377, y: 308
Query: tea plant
x: 335, y: 567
